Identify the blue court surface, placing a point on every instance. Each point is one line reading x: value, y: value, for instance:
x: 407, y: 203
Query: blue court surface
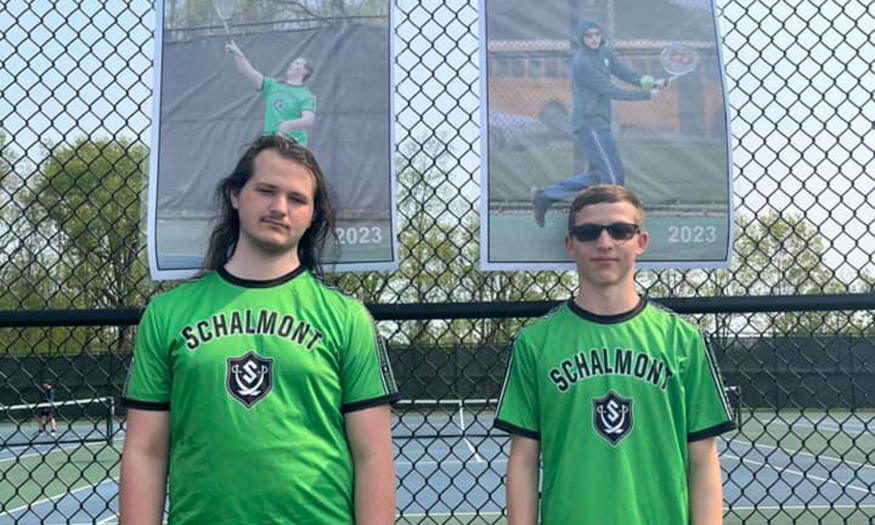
x: 801, y: 469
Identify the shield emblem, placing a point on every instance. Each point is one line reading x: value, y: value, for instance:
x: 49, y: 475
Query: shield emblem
x: 612, y: 417
x: 249, y: 378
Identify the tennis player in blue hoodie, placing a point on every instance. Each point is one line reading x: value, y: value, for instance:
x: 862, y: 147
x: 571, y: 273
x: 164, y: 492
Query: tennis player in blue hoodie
x: 592, y: 92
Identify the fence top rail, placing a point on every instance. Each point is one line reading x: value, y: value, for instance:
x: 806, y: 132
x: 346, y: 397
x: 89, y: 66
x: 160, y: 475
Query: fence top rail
x: 425, y: 311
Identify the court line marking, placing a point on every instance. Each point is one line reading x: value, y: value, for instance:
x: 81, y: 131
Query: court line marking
x: 801, y: 507
x: 448, y: 514
x: 725, y: 509
x: 495, y: 514
x: 857, y: 427
x: 112, y: 518
x: 91, y: 486
x: 473, y: 451
x: 464, y: 437
x: 56, y: 448
x: 803, y: 475
x: 793, y: 452
x: 447, y: 462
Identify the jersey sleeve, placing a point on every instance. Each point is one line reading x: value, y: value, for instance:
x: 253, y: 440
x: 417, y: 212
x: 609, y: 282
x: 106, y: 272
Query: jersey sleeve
x: 308, y: 103
x: 708, y: 410
x: 517, y: 411
x: 266, y: 85
x: 149, y: 377
x: 366, y: 373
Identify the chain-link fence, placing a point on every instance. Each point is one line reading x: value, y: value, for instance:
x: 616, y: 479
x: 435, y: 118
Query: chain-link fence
x: 790, y: 321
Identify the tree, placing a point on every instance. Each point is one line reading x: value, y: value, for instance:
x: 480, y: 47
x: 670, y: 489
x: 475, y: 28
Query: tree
x: 84, y: 211
x: 439, y: 254
x: 286, y: 13
x: 783, y: 254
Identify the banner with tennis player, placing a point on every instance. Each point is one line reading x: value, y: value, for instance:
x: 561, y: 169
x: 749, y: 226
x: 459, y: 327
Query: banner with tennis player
x: 227, y: 71
x: 576, y: 93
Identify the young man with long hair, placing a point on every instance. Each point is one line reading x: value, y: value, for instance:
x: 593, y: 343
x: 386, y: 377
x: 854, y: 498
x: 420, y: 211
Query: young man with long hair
x: 620, y: 398
x: 259, y: 392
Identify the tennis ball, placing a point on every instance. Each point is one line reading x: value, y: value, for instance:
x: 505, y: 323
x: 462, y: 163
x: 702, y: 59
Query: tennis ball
x: 647, y: 81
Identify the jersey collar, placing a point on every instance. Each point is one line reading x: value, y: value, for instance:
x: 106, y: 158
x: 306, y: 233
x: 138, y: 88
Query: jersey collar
x: 255, y: 283
x: 607, y: 319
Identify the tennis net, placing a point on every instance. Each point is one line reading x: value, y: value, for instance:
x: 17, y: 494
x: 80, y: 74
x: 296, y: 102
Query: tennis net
x: 443, y: 418
x: 76, y: 421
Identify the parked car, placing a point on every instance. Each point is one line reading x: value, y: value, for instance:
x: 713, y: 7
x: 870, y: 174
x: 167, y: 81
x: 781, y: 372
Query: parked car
x: 511, y: 131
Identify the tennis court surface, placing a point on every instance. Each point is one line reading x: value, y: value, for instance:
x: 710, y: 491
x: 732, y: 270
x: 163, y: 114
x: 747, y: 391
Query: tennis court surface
x: 781, y: 467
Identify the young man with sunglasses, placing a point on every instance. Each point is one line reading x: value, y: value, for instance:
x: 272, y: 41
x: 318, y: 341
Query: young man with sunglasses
x: 621, y: 399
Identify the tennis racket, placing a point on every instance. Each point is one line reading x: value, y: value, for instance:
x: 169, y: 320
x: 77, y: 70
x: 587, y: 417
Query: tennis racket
x: 224, y: 10
x: 678, y: 60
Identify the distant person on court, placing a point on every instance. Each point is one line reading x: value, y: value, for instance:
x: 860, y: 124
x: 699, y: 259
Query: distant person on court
x: 261, y: 393
x: 592, y: 67
x: 47, y: 410
x: 620, y: 398
x: 289, y: 107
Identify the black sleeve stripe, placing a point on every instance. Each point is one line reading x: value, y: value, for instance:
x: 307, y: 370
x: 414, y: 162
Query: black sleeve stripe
x: 513, y: 429
x: 506, y: 380
x: 384, y: 365
x: 145, y: 405
x: 715, y: 378
x: 711, y: 432
x: 387, y: 378
x: 368, y: 403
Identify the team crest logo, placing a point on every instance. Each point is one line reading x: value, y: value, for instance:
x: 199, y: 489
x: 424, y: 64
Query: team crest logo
x: 278, y: 104
x: 612, y: 417
x: 249, y: 378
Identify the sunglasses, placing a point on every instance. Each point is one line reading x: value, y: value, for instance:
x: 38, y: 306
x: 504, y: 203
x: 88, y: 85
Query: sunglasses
x: 619, y: 231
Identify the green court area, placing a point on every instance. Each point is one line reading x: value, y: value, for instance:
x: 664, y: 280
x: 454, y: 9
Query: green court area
x: 679, y: 237
x: 782, y: 467
x: 182, y: 241
x: 800, y: 516
x: 837, y: 434
x: 763, y: 516
x: 458, y: 519
x: 684, y: 190
x: 665, y: 175
x: 46, y: 472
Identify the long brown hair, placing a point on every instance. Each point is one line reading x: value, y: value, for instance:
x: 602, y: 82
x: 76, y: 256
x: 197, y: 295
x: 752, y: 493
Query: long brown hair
x: 226, y: 233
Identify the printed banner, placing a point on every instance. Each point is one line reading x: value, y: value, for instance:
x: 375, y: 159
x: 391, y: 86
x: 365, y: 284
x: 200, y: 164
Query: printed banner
x: 576, y: 93
x: 227, y: 71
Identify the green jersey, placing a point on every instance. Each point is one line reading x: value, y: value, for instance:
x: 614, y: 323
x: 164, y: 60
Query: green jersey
x: 613, y: 401
x: 257, y: 376
x: 285, y: 102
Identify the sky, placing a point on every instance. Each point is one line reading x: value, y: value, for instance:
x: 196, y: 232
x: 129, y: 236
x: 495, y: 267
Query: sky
x: 799, y: 75
x: 73, y: 69
x: 801, y: 83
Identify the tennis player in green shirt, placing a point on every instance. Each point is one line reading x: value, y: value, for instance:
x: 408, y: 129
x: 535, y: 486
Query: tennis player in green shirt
x: 620, y: 399
x: 260, y: 393
x: 289, y: 107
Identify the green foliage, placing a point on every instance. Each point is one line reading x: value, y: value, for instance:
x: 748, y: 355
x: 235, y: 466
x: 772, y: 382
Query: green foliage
x: 76, y: 241
x: 86, y: 203
x: 774, y: 254
x: 439, y: 253
x: 199, y: 14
